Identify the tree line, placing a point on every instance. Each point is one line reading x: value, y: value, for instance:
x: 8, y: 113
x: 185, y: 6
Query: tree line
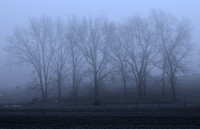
x: 99, y: 48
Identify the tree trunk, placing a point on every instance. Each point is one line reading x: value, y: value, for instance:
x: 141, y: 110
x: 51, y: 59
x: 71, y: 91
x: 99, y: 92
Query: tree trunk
x: 125, y: 88
x: 173, y: 88
x: 42, y: 89
x: 96, y: 92
x: 124, y: 83
x: 163, y: 77
x: 46, y: 92
x: 59, y: 92
x: 140, y: 92
x: 144, y: 86
x: 140, y: 89
x: 163, y: 84
x: 43, y: 94
x: 74, y: 76
x: 45, y: 97
x: 74, y: 86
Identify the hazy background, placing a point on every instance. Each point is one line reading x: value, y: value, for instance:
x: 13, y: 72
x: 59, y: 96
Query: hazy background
x: 15, y: 13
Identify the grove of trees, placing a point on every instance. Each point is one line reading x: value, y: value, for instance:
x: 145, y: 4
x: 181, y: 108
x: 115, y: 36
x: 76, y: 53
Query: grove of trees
x: 94, y: 49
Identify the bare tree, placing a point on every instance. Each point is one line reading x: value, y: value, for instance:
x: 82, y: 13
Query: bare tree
x: 61, y: 57
x: 76, y: 56
x: 174, y: 39
x: 34, y: 45
x: 118, y: 53
x: 139, y: 37
x: 94, y: 48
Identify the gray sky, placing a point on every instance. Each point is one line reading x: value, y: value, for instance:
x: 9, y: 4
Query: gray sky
x: 17, y: 12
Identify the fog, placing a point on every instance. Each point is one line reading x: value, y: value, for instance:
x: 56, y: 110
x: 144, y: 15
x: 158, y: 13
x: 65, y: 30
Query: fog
x: 18, y: 13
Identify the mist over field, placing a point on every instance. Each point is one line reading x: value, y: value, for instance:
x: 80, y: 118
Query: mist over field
x: 99, y: 64
x: 99, y: 50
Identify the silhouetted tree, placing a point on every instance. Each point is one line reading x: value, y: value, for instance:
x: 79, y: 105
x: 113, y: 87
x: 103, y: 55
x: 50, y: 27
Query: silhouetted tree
x: 76, y: 56
x: 118, y: 53
x: 140, y: 39
x: 94, y: 48
x: 34, y: 45
x: 174, y: 39
x: 61, y: 56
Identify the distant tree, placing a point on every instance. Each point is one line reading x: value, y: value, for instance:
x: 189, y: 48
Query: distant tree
x: 174, y: 45
x: 34, y: 45
x: 94, y: 48
x: 141, y: 42
x: 118, y: 53
x: 61, y: 56
x: 76, y: 56
x: 56, y: 50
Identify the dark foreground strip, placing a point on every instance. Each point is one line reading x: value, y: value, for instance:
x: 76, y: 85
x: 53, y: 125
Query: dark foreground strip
x: 100, y: 122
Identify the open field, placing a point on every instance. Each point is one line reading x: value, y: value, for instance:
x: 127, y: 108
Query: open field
x: 99, y: 117
x: 116, y: 111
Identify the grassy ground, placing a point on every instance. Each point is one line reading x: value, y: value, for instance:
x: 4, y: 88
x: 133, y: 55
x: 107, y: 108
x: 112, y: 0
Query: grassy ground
x: 99, y: 117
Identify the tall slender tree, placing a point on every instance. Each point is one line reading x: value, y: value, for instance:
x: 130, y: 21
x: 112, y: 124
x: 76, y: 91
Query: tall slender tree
x: 76, y: 57
x: 94, y: 48
x: 61, y: 57
x: 34, y: 45
x: 118, y: 53
x: 174, y: 38
x: 139, y: 37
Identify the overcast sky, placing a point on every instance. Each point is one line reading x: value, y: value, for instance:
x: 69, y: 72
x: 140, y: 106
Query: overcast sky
x: 17, y: 12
